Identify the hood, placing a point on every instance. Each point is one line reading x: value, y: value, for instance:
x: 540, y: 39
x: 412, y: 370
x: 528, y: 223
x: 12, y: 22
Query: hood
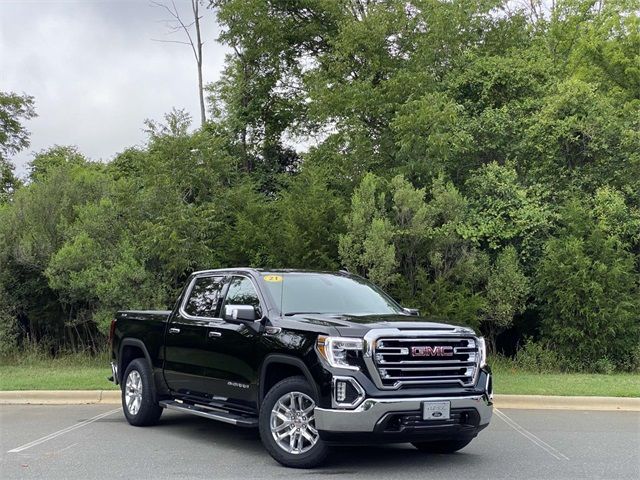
x: 359, y: 325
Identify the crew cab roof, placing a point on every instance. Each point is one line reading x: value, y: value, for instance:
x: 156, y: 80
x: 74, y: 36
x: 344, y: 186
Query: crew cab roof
x: 261, y: 271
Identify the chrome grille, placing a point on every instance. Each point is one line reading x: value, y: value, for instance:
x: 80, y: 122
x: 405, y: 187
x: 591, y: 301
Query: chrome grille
x: 396, y: 364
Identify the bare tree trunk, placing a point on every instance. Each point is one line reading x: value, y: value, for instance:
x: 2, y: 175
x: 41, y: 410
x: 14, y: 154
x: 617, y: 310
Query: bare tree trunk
x: 195, y: 44
x: 196, y: 16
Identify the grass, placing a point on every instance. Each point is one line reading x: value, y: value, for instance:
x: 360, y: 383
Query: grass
x: 509, y: 378
x: 33, y: 370
x: 81, y: 372
x: 563, y: 384
x: 46, y: 377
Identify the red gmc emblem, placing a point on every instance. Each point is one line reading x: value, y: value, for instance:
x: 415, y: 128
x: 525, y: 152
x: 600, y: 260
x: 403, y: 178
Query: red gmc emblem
x: 439, y: 351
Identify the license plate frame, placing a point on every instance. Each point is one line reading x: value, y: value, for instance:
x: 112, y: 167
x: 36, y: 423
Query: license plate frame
x: 436, y: 410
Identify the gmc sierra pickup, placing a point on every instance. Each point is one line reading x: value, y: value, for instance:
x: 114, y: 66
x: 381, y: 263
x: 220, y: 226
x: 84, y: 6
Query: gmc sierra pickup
x: 312, y: 359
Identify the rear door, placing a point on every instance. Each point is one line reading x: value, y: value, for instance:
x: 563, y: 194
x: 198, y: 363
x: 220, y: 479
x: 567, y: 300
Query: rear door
x: 190, y: 367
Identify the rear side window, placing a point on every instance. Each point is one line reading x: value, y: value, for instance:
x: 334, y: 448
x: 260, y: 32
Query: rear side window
x: 204, y: 298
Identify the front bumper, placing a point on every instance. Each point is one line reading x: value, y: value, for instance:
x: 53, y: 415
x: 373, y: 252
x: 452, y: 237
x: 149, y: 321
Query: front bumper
x: 399, y: 419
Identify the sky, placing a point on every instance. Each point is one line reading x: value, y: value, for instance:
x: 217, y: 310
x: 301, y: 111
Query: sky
x: 95, y: 71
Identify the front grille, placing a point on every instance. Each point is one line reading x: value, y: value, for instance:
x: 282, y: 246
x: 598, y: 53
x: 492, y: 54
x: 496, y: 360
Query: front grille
x: 445, y: 361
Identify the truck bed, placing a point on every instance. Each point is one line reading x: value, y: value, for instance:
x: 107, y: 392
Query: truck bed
x: 141, y: 329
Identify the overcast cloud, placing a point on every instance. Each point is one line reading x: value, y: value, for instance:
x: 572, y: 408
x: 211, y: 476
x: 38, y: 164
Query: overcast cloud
x: 95, y: 72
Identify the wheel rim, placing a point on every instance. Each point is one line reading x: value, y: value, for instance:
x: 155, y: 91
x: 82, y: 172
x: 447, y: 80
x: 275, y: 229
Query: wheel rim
x: 133, y: 392
x: 292, y: 423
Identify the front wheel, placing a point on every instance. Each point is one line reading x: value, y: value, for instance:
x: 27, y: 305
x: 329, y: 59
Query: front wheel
x: 445, y: 446
x: 287, y: 424
x: 138, y: 399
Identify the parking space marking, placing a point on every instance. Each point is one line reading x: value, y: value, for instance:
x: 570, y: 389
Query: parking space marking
x: 558, y: 455
x: 62, y: 432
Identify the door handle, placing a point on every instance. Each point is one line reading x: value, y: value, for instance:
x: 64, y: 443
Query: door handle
x: 174, y: 330
x: 215, y: 334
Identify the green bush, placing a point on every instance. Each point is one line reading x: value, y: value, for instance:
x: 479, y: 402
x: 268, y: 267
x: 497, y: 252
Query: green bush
x: 588, y: 292
x: 632, y: 363
x: 604, y: 365
x: 538, y: 357
x: 9, y: 334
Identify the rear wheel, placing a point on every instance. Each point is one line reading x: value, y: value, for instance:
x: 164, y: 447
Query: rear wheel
x: 138, y: 398
x: 445, y: 446
x: 287, y: 424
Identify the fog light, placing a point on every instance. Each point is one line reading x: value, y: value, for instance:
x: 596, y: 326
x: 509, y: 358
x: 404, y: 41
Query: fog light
x: 347, y: 392
x: 341, y: 391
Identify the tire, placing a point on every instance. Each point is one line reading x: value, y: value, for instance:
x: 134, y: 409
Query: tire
x: 300, y: 445
x: 444, y: 446
x: 138, y: 395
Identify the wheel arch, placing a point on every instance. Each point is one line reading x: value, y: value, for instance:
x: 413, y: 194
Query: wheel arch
x: 130, y: 349
x: 292, y: 366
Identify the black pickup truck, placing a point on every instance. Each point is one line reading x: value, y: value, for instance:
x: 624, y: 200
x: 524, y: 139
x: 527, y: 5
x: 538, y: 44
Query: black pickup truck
x: 312, y: 359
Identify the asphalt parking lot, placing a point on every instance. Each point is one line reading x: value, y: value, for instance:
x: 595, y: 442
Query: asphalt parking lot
x: 94, y: 441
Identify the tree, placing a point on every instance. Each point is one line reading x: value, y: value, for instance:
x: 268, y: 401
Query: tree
x: 505, y: 212
x: 507, y: 290
x: 177, y: 24
x: 8, y: 181
x: 260, y: 99
x: 589, y: 291
x: 367, y: 247
x: 51, y: 159
x: 407, y: 240
x: 14, y: 109
x: 33, y: 228
x: 310, y: 216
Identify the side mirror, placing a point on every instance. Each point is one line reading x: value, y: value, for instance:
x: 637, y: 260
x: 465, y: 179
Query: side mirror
x: 412, y: 311
x: 240, y: 312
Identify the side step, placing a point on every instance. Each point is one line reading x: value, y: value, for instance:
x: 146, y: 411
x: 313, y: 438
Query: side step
x: 203, y: 411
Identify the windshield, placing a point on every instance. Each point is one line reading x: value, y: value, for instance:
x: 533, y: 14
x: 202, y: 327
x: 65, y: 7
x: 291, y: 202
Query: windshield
x: 327, y: 293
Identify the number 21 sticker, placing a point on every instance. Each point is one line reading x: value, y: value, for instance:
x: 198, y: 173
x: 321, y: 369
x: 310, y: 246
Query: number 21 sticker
x: 272, y: 278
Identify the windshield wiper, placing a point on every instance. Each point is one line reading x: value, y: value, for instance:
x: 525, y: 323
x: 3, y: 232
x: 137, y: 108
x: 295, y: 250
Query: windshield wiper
x: 289, y: 314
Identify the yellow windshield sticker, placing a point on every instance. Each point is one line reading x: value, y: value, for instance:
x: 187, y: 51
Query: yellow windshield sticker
x: 272, y: 278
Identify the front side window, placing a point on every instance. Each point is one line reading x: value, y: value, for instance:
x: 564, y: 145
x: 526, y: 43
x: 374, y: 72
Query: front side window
x: 204, y: 298
x: 242, y: 292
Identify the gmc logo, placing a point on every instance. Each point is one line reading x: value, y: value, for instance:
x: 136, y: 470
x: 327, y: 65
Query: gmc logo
x: 439, y: 351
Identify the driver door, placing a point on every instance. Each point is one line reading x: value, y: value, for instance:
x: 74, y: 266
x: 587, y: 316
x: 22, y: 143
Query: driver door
x: 234, y: 343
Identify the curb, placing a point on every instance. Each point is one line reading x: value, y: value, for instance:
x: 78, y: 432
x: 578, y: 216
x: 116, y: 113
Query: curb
x: 548, y: 402
x: 532, y: 402
x: 59, y: 397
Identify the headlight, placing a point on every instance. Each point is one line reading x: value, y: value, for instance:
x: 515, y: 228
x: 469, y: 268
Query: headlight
x: 482, y: 351
x: 340, y: 352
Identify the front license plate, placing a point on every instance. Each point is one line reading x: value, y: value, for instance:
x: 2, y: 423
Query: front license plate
x: 436, y: 410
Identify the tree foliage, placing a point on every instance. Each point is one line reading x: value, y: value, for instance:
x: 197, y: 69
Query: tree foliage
x: 14, y: 137
x: 478, y: 159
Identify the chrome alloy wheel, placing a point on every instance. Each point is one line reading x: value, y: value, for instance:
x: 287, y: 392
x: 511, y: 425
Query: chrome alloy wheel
x: 133, y: 392
x: 292, y: 423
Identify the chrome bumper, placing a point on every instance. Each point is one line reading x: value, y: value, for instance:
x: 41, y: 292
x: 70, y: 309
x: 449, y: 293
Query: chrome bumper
x: 365, y: 417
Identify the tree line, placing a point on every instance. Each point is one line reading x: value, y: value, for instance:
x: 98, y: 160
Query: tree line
x: 478, y: 160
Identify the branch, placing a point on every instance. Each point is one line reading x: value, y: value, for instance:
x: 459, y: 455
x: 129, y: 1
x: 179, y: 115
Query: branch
x: 181, y: 25
x: 169, y: 41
